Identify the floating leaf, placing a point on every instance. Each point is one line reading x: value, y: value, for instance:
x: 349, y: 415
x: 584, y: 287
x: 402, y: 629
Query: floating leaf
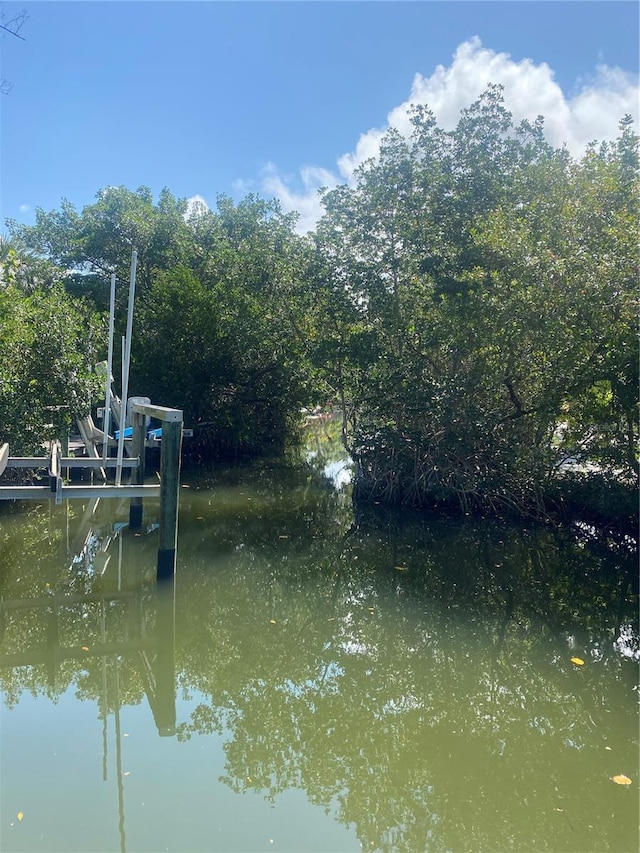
x: 621, y: 779
x: 608, y: 748
x: 85, y: 648
x: 577, y: 661
x: 272, y: 622
x: 283, y: 536
x: 401, y: 568
x: 20, y: 815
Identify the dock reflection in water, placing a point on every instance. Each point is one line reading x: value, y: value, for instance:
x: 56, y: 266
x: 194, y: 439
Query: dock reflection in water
x: 341, y: 682
x: 104, y: 625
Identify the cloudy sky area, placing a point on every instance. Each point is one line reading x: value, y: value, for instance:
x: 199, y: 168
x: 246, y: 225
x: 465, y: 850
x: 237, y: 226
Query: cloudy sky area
x: 530, y: 90
x: 281, y: 98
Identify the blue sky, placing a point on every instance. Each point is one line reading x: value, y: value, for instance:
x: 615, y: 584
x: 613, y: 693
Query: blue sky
x: 279, y: 98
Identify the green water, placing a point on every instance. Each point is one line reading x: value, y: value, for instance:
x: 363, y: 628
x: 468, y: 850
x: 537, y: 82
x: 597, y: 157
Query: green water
x: 316, y: 680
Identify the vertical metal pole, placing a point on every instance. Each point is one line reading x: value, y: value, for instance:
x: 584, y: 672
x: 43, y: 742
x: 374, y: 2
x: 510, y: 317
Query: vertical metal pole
x: 169, y: 488
x: 107, y: 391
x: 137, y: 474
x: 123, y: 420
x: 126, y: 361
x: 104, y: 703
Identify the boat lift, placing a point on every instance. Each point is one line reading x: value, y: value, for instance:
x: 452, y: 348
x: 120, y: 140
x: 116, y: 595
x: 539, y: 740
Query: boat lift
x: 141, y: 410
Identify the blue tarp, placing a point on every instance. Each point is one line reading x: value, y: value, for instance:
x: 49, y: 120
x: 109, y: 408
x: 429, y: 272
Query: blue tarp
x: 128, y: 433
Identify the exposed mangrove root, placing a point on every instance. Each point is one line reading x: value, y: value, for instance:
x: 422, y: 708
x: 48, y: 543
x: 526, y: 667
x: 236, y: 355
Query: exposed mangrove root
x: 435, y: 478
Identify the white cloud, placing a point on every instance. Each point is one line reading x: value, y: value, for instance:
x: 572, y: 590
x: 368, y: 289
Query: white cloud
x: 600, y: 104
x: 592, y: 112
x: 196, y: 206
x: 243, y: 187
x: 24, y: 208
x: 307, y: 202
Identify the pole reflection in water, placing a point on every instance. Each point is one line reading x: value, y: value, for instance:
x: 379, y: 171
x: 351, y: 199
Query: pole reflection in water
x: 108, y: 620
x: 348, y: 681
x: 156, y: 666
x: 119, y: 775
x: 164, y: 698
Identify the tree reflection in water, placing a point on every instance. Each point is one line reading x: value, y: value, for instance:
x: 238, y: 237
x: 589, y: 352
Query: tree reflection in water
x: 418, y: 675
x: 411, y: 674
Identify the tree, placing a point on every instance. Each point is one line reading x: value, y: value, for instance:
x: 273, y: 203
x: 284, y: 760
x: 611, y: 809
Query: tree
x: 219, y: 330
x: 47, y: 351
x: 97, y: 241
x: 221, y: 338
x: 491, y: 278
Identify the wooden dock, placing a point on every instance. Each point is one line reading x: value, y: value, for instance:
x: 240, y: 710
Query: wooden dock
x: 167, y: 490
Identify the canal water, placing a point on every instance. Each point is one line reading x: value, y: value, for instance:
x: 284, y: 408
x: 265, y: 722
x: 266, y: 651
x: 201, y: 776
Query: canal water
x: 317, y: 678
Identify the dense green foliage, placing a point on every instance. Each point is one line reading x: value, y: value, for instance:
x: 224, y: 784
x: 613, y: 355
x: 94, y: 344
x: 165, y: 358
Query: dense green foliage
x: 217, y: 331
x: 47, y: 350
x: 479, y: 310
x: 219, y: 335
x: 469, y: 302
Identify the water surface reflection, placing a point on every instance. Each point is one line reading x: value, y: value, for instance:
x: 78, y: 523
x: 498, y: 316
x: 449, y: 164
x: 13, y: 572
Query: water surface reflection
x: 321, y: 681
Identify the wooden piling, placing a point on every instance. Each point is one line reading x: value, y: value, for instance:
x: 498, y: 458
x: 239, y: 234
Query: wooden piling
x: 64, y: 445
x: 138, y: 422
x: 169, y: 489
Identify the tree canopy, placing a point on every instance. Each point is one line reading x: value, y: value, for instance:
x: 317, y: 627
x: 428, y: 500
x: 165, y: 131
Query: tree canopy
x: 479, y: 295
x: 218, y: 326
x: 469, y: 301
x: 48, y: 346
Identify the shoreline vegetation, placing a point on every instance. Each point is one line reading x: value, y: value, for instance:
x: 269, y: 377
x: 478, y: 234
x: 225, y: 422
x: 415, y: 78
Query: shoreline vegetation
x: 468, y: 303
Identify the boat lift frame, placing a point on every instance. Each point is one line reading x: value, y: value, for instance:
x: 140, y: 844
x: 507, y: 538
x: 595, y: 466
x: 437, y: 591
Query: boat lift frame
x: 136, y: 490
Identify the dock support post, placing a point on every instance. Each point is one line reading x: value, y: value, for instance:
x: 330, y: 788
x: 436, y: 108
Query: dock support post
x: 55, y: 471
x: 64, y: 439
x: 138, y: 422
x: 64, y: 443
x: 169, y: 488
